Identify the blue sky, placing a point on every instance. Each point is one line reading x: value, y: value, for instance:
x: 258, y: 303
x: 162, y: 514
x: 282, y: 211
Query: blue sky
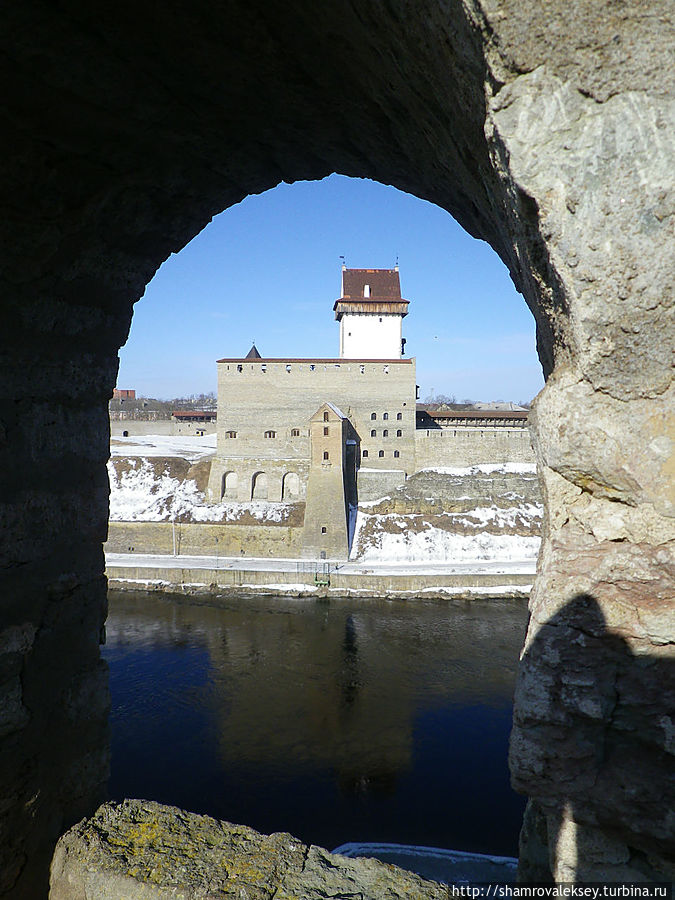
x: 268, y: 269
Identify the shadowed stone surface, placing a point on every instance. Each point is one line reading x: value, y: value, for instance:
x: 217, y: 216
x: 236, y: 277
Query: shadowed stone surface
x: 546, y: 129
x: 138, y: 849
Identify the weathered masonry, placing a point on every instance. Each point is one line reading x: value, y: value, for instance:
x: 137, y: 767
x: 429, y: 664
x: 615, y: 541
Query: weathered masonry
x: 546, y: 130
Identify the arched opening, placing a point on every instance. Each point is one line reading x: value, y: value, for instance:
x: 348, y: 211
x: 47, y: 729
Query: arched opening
x: 230, y: 486
x: 525, y: 166
x: 290, y: 486
x: 259, y: 486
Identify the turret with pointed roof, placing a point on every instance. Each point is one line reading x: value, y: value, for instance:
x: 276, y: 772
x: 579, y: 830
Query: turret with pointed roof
x: 253, y: 353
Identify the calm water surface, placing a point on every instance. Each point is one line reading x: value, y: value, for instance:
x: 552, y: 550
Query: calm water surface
x: 340, y: 720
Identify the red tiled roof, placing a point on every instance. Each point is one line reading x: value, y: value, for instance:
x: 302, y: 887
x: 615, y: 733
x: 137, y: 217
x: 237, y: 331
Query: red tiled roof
x: 193, y: 413
x: 384, y: 284
x: 435, y: 413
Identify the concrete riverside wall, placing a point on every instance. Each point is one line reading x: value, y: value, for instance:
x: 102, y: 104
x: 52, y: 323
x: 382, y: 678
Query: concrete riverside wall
x: 204, y: 539
x: 366, y: 582
x: 468, y: 446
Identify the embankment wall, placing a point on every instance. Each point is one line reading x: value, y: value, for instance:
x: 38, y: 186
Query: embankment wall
x: 303, y: 580
x: 206, y: 539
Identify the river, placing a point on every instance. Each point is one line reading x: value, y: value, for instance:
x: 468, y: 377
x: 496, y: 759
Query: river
x: 340, y: 720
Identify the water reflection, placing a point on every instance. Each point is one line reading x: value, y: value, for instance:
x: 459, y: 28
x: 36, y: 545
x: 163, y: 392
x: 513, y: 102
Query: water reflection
x: 340, y: 720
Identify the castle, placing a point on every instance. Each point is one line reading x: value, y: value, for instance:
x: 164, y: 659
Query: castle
x: 323, y: 431
x: 329, y: 432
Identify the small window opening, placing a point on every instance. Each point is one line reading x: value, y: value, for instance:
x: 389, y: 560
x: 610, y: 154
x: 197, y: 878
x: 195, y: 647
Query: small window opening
x: 324, y: 530
x: 399, y: 416
x: 270, y: 434
x: 263, y: 367
x: 325, y: 454
x: 325, y: 431
x: 373, y: 432
x: 295, y: 432
x: 373, y: 416
x: 230, y: 434
x: 399, y: 433
x: 125, y: 434
x: 366, y: 292
x: 385, y: 433
x: 311, y: 368
x: 381, y: 454
x: 385, y: 416
x: 325, y: 417
x: 362, y: 369
x: 396, y: 454
x: 380, y: 318
x: 288, y: 368
x: 240, y: 368
x: 365, y: 454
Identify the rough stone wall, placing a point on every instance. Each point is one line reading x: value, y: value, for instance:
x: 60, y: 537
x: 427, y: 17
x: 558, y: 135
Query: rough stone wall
x: 546, y: 130
x: 138, y: 849
x: 470, y: 446
x: 580, y: 137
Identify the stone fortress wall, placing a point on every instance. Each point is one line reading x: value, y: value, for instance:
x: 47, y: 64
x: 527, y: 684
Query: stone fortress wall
x: 264, y: 412
x: 470, y: 445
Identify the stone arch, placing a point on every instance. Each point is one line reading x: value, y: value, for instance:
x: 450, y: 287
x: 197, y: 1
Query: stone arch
x: 496, y: 112
x: 290, y: 486
x: 259, y: 486
x: 229, y: 485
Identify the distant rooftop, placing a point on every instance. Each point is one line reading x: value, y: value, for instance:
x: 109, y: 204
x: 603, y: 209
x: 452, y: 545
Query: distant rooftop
x: 371, y: 291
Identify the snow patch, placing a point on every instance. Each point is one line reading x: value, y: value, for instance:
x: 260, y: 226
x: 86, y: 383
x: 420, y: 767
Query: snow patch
x: 141, y: 495
x: 437, y: 545
x: 186, y: 445
x: 486, y: 469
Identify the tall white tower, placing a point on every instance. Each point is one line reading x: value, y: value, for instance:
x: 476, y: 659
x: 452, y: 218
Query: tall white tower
x: 370, y: 312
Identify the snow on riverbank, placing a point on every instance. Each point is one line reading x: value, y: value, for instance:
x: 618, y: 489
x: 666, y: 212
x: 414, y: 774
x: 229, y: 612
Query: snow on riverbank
x: 435, y: 544
x: 480, y: 512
